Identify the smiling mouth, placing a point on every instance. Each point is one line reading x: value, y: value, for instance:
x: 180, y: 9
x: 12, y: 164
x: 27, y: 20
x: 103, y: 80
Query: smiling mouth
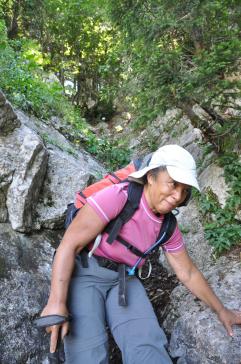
x: 170, y: 204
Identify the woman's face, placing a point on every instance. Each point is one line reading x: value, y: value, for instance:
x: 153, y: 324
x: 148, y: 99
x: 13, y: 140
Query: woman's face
x: 163, y: 194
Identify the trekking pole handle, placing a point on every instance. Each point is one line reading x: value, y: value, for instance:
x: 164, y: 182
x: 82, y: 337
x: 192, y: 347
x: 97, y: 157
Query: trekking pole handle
x: 50, y: 320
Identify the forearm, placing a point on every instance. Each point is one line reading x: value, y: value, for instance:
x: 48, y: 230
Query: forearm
x: 199, y: 286
x: 84, y: 228
x: 61, y: 273
x: 193, y: 279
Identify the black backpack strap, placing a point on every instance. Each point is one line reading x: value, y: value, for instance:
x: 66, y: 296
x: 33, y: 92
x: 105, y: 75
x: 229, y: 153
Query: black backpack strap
x: 130, y: 247
x: 70, y: 215
x: 166, y: 231
x: 134, y: 196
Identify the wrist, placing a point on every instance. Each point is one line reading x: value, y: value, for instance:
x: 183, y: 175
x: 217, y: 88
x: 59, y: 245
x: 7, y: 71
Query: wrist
x: 56, y: 301
x: 220, y: 309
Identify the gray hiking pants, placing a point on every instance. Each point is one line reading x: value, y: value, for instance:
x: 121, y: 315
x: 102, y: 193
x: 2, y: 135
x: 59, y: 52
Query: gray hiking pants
x: 93, y: 302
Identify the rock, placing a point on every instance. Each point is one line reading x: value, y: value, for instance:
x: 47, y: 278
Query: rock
x: 213, y: 177
x: 23, y: 193
x: 39, y: 172
x: 189, y: 221
x: 69, y: 170
x: 102, y: 129
x: 197, y: 335
x: 2, y: 99
x: 25, y: 260
x: 238, y: 215
x: 6, y: 173
x: 25, y: 266
x: 171, y: 128
x: 8, y: 118
x: 66, y: 174
x: 126, y: 115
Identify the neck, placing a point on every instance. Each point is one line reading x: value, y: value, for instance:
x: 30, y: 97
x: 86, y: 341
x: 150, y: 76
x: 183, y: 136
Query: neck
x: 148, y: 199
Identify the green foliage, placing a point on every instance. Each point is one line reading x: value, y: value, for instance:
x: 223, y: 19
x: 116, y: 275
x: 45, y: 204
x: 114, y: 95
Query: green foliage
x: 113, y: 154
x: 181, y: 54
x: 157, y: 54
x: 25, y: 83
x: 222, y: 229
x: 84, y: 50
x: 78, y: 44
x: 23, y: 80
x: 184, y: 229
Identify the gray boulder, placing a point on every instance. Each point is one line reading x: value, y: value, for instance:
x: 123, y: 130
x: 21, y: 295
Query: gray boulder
x: 39, y: 173
x: 8, y: 118
x: 197, y: 336
x: 213, y: 177
x: 189, y: 221
x: 68, y: 171
x: 25, y: 267
x: 30, y: 169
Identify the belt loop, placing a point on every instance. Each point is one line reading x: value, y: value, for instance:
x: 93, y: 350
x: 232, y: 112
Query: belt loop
x: 122, y: 285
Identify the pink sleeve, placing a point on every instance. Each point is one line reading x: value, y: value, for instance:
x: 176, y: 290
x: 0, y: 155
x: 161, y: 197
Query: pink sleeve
x: 175, y: 243
x: 109, y: 202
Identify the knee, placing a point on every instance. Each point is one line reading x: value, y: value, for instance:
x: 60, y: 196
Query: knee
x: 142, y: 341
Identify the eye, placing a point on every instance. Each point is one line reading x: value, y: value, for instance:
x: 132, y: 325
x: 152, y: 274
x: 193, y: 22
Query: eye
x: 172, y: 184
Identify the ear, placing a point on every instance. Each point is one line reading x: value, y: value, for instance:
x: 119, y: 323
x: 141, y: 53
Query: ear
x: 149, y: 178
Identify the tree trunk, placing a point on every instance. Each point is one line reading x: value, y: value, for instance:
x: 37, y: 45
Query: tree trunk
x: 213, y: 114
x: 13, y: 29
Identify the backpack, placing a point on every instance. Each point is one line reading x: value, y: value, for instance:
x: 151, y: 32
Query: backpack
x: 134, y: 196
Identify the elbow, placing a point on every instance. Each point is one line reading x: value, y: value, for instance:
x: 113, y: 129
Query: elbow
x: 68, y: 249
x: 184, y: 276
x: 189, y: 276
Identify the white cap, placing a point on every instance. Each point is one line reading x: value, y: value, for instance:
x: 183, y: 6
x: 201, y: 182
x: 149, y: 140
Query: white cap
x: 180, y: 165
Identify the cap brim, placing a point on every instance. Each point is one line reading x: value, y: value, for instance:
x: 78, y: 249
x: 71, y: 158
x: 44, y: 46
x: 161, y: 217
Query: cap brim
x: 141, y: 173
x: 183, y: 176
x: 179, y: 175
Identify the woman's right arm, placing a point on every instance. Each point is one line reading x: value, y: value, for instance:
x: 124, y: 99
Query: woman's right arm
x: 84, y: 228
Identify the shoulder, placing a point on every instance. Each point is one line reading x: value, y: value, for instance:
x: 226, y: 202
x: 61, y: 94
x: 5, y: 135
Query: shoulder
x: 175, y: 243
x: 109, y: 202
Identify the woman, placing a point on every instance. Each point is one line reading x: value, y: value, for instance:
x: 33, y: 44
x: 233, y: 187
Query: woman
x: 90, y: 294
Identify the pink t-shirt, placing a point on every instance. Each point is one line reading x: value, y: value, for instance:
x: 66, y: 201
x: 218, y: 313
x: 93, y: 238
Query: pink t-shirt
x: 141, y: 230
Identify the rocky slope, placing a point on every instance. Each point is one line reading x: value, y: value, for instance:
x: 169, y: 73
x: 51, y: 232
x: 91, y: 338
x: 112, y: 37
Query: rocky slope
x: 39, y: 172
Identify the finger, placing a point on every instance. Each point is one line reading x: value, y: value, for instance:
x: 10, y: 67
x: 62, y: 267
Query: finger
x: 228, y: 327
x: 54, y: 338
x: 48, y: 329
x: 65, y: 330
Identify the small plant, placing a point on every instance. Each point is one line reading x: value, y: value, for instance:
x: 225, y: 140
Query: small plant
x: 112, y: 154
x: 222, y: 229
x: 184, y: 229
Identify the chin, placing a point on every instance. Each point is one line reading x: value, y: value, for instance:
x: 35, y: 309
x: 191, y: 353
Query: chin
x: 165, y: 209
